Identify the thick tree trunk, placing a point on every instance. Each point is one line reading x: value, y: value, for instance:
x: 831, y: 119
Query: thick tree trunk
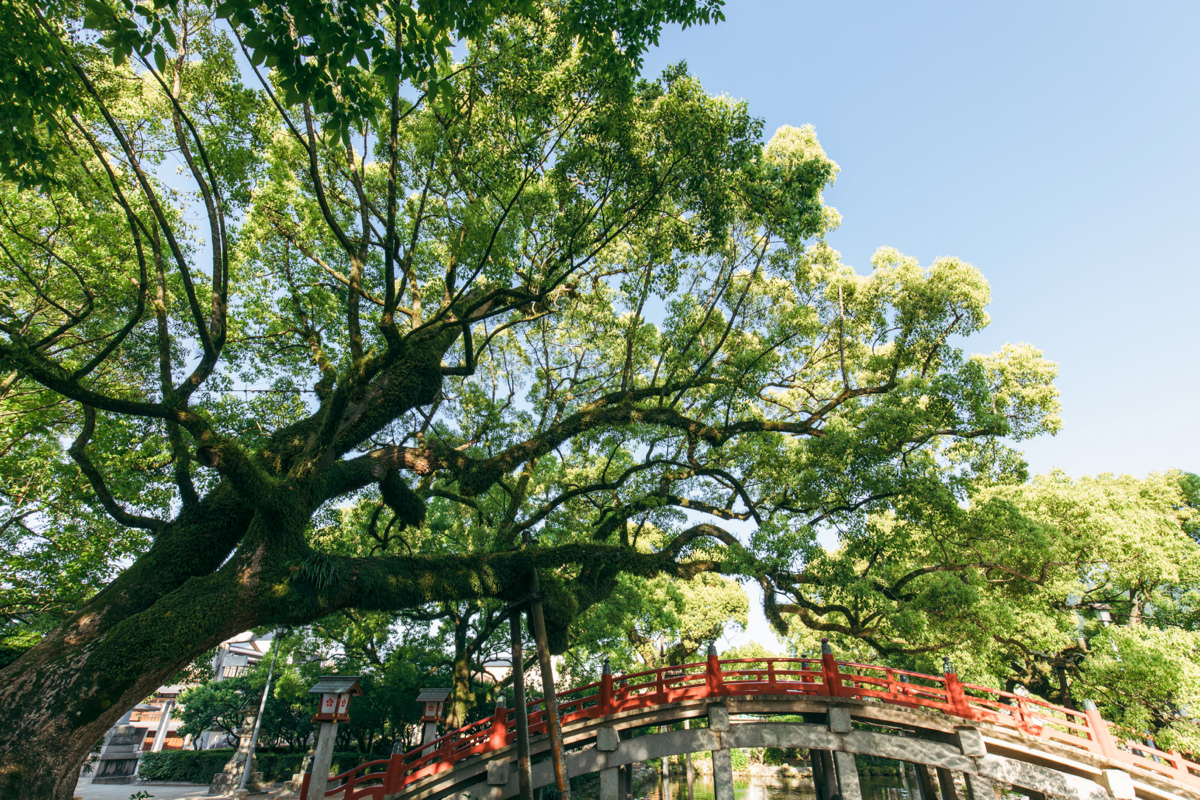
x: 461, y: 697
x: 59, y: 699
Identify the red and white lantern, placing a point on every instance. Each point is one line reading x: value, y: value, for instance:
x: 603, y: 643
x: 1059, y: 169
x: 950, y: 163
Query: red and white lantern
x: 335, y: 692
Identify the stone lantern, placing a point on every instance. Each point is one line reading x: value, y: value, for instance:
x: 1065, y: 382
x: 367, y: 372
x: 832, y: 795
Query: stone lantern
x: 335, y: 692
x: 433, y: 704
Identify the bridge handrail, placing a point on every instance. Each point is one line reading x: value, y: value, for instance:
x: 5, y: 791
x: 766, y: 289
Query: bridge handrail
x: 351, y: 781
x: 825, y: 676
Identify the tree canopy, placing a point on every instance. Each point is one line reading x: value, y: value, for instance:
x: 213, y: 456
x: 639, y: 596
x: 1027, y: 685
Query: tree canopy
x: 546, y: 318
x: 1073, y: 589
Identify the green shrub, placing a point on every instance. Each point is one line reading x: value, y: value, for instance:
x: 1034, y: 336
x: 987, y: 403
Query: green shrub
x: 182, y: 766
x: 778, y: 756
x: 199, y: 766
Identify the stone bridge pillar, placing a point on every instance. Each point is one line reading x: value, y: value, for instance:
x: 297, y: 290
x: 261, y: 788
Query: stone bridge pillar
x: 611, y: 779
x: 970, y: 741
x: 842, y: 779
x: 718, y: 721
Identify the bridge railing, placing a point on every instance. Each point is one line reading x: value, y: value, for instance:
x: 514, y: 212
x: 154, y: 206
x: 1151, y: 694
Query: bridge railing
x: 358, y: 782
x: 713, y: 678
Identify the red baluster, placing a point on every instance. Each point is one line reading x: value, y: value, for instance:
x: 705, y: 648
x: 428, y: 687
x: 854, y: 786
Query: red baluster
x: 773, y: 688
x: 955, y: 695
x: 394, y: 780
x: 1024, y: 721
x: 1098, y: 731
x: 830, y: 672
x: 499, y: 732
x: 608, y: 703
x: 713, y: 680
x: 1181, y: 769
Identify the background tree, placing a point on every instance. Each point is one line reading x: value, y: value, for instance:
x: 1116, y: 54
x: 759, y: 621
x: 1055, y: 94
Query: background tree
x: 1071, y: 589
x: 648, y: 621
x: 219, y: 705
x: 395, y: 659
x: 595, y: 316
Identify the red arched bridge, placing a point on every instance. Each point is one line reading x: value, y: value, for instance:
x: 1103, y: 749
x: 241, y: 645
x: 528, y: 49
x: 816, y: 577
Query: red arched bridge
x: 995, y: 740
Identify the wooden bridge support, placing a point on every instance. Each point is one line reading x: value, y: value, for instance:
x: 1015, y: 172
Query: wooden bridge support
x: 524, y: 765
x: 689, y: 771
x: 817, y: 764
x: 946, y: 782
x: 925, y: 782
x: 981, y: 788
x: 825, y: 775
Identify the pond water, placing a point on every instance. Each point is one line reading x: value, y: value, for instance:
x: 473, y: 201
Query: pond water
x: 757, y: 788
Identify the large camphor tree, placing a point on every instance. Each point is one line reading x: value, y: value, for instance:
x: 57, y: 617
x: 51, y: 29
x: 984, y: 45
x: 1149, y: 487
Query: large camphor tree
x: 496, y: 309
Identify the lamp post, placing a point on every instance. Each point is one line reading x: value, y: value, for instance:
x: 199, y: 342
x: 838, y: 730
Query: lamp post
x: 335, y: 692
x: 262, y: 707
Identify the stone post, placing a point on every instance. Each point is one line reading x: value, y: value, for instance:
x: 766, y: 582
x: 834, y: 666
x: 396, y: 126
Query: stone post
x: 718, y: 720
x: 321, y: 761
x: 1118, y: 783
x: 970, y: 741
x: 908, y: 791
x: 847, y: 776
x: 610, y: 783
x: 612, y: 779
x: 846, y: 771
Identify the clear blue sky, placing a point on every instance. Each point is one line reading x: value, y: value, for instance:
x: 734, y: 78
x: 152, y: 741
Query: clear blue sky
x: 1055, y: 146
